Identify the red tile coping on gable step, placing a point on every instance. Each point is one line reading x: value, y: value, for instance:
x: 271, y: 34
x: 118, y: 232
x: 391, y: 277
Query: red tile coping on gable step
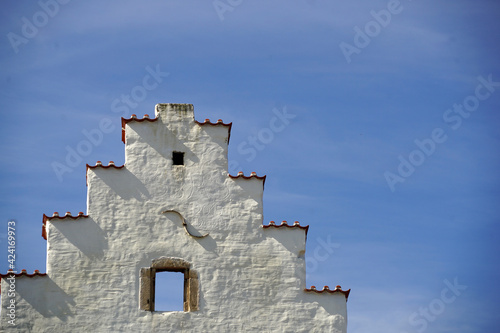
x: 146, y: 117
x: 252, y: 175
x: 338, y: 289
x: 23, y: 272
x: 99, y: 164
x: 296, y: 224
x: 208, y: 122
x: 134, y: 118
x: 56, y: 215
x: 219, y: 122
x: 10, y: 272
x: 110, y: 165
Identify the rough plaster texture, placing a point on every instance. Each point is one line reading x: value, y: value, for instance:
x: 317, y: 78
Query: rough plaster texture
x: 251, y: 279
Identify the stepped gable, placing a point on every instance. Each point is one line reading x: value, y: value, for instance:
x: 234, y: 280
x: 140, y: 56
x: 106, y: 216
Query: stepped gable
x: 172, y: 209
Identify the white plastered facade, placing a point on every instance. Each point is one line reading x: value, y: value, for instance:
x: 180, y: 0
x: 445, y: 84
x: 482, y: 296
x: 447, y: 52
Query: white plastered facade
x: 250, y: 278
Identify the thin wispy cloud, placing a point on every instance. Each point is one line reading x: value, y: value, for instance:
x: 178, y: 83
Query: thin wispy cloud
x: 325, y: 168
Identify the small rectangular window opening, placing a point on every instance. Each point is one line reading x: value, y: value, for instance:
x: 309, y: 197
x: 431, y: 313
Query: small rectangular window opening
x: 169, y: 291
x: 178, y: 158
x: 170, y: 284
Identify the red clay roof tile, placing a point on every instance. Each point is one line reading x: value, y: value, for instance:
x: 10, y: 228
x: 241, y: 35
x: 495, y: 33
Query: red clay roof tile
x: 219, y: 122
x: 10, y: 272
x: 23, y: 273
x: 134, y: 118
x: 146, y: 117
x: 56, y: 215
x: 252, y: 175
x: 338, y: 289
x: 296, y: 224
x: 111, y: 164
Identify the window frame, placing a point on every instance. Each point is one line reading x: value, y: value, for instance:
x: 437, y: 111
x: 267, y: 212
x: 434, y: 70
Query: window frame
x: 168, y: 264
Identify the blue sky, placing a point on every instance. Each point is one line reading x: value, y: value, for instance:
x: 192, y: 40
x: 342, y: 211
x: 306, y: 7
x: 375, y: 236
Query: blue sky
x: 419, y: 251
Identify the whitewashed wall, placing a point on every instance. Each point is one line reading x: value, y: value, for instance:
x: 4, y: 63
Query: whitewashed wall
x: 251, y: 278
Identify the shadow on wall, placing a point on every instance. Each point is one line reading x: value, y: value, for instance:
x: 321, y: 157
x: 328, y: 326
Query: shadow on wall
x: 125, y: 184
x: 84, y: 234
x: 162, y: 135
x: 334, y: 304
x: 209, y: 244
x: 54, y: 302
